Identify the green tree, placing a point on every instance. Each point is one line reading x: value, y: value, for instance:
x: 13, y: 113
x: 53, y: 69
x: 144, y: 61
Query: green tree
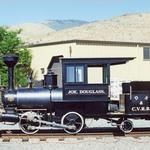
x: 11, y: 43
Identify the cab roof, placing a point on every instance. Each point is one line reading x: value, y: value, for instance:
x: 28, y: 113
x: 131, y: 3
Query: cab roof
x: 90, y: 61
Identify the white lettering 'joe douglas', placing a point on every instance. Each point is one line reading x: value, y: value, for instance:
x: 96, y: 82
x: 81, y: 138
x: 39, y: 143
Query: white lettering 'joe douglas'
x: 82, y: 92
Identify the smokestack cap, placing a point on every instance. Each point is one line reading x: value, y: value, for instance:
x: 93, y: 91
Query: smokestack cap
x: 10, y: 60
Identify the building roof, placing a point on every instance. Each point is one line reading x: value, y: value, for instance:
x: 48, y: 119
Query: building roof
x: 91, y: 42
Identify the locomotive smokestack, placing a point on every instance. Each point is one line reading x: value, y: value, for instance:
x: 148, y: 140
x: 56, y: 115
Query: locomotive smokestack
x: 10, y: 60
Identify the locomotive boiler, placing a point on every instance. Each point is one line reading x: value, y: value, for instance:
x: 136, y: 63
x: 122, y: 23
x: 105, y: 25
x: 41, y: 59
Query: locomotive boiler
x: 66, y: 99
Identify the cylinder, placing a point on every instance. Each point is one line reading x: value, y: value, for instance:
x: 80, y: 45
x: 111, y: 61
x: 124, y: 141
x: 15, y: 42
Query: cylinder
x: 9, y: 118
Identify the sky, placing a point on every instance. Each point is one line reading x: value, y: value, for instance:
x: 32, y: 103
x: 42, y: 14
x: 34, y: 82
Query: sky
x: 14, y: 12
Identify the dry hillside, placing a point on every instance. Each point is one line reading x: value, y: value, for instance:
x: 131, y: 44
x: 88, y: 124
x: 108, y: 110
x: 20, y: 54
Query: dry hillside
x: 126, y: 28
x: 33, y: 32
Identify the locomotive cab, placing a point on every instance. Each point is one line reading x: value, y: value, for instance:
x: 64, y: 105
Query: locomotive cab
x: 79, y: 94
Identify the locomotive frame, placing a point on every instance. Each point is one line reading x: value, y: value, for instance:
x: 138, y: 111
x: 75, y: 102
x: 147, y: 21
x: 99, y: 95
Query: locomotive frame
x: 65, y: 100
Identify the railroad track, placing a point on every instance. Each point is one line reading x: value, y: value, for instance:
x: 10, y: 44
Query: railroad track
x: 59, y: 135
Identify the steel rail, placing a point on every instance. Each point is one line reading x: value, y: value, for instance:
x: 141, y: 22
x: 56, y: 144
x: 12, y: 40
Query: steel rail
x: 7, y: 135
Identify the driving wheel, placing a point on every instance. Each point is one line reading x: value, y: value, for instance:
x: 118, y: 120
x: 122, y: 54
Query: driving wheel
x: 29, y: 122
x: 74, y: 120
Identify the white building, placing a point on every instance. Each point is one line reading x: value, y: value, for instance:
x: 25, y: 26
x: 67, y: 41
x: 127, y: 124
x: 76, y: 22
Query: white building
x: 137, y: 69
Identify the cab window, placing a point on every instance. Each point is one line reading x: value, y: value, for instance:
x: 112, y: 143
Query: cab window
x: 74, y: 74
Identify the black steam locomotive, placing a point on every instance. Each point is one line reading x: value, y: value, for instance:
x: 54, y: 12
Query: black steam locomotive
x: 65, y: 100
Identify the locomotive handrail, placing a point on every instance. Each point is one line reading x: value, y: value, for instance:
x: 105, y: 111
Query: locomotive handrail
x: 130, y: 92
